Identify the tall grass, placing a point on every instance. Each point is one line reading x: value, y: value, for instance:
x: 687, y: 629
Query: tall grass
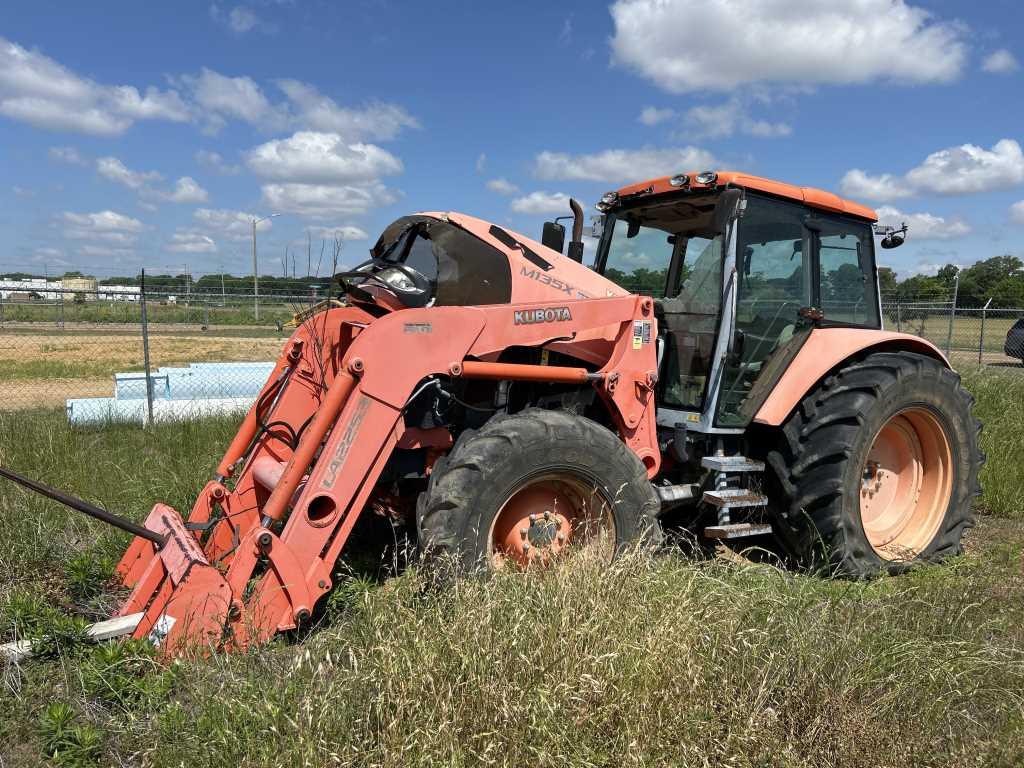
x: 664, y: 661
x: 999, y: 404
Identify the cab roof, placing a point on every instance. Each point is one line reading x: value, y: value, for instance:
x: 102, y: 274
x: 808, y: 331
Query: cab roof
x: 816, y: 198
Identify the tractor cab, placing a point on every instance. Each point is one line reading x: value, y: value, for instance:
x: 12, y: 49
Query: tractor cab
x: 741, y: 269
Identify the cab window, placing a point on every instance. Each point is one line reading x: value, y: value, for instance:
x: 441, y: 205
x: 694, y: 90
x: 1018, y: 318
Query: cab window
x: 847, y: 274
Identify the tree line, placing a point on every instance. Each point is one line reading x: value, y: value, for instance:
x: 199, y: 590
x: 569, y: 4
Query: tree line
x: 1000, y: 278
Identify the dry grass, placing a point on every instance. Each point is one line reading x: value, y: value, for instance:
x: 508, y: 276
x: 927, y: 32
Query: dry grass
x: 43, y: 370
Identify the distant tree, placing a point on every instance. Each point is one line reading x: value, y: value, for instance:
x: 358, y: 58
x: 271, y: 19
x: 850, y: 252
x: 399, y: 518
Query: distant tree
x: 887, y: 281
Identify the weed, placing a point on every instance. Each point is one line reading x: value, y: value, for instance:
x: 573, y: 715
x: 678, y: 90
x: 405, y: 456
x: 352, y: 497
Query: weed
x: 68, y: 744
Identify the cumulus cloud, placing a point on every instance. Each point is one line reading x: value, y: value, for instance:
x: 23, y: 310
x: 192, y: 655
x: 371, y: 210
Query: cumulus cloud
x: 961, y: 170
x: 188, y: 241
x: 654, y: 115
x: 541, y: 202
x: 621, y: 165
x: 38, y: 90
x: 67, y: 155
x: 502, y: 186
x: 1000, y: 62
x: 232, y: 225
x: 239, y: 19
x: 377, y: 120
x: 145, y: 183
x: 312, y: 157
x: 884, y: 187
x: 344, y: 232
x: 924, y: 226
x: 1017, y: 212
x: 215, y: 162
x: 110, y: 227
x: 784, y: 42
x: 728, y: 118
x: 325, y: 201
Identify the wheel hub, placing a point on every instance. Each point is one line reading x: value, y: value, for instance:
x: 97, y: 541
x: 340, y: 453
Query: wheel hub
x: 545, y: 517
x: 906, y: 484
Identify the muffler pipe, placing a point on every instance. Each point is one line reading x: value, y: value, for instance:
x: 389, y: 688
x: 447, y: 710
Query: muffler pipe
x: 85, y: 507
x: 576, y: 244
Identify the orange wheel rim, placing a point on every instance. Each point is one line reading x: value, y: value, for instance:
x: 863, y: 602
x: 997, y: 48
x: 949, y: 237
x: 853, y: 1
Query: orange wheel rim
x: 906, y: 484
x: 547, y: 516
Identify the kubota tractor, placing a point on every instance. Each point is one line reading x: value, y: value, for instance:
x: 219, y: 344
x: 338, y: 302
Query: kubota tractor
x: 721, y: 368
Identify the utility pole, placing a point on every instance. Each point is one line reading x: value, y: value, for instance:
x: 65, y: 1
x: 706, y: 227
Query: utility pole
x: 255, y: 267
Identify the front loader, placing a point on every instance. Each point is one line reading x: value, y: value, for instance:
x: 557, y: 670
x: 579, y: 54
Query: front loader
x: 722, y: 368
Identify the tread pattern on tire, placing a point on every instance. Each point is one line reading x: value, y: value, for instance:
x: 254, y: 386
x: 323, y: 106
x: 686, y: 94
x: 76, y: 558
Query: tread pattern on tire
x: 817, y: 442
x: 446, y: 515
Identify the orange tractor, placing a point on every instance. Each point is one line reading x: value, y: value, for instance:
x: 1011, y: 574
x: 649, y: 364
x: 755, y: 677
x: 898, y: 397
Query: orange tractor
x: 722, y: 368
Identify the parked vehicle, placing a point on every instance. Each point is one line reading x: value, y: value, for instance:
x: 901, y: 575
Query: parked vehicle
x: 1014, y: 346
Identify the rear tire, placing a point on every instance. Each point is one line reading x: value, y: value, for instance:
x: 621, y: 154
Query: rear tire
x: 878, y: 466
x: 500, y: 480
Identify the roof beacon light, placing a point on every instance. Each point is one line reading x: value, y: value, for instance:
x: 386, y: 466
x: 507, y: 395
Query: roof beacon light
x: 679, y: 180
x: 707, y: 177
x: 608, y: 199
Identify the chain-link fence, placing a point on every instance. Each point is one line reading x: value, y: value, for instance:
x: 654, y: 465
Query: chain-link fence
x: 978, y: 335
x: 88, y: 352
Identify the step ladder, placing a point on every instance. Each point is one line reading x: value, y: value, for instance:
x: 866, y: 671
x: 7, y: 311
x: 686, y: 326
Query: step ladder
x: 726, y: 497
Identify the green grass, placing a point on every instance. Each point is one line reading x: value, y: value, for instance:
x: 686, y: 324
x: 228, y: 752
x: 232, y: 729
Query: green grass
x: 657, y: 662
x: 130, y: 312
x: 1000, y: 406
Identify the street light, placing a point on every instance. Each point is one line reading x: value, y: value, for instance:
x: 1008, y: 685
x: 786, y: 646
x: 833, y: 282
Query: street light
x: 256, y: 269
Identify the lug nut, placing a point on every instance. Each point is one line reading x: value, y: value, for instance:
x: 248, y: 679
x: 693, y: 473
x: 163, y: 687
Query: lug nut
x: 526, y: 546
x: 547, y: 514
x: 561, y: 538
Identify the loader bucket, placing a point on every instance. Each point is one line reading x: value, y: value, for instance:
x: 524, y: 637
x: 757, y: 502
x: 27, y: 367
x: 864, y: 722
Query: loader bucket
x: 186, y: 601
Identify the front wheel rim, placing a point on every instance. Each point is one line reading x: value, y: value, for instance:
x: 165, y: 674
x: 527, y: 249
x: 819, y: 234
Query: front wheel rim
x: 906, y: 484
x: 547, y: 516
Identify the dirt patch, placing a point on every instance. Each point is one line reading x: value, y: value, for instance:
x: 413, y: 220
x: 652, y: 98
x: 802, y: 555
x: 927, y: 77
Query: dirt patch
x: 44, y: 370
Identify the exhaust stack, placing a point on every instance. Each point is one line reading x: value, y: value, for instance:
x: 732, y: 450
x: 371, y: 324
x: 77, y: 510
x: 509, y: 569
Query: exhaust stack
x: 576, y: 244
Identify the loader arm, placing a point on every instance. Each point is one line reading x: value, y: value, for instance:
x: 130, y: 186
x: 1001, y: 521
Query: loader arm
x: 341, y: 386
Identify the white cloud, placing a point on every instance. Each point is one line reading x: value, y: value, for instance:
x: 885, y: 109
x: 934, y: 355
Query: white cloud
x: 884, y: 187
x: 621, y: 165
x: 969, y: 168
x: 215, y: 162
x: 784, y: 42
x: 185, y: 190
x: 962, y: 170
x: 38, y: 90
x: 502, y: 186
x: 234, y: 225
x: 105, y: 251
x: 323, y: 201
x: 1017, y: 212
x: 346, y: 232
x: 924, y: 226
x: 220, y: 97
x: 67, y: 155
x: 113, y: 169
x: 190, y: 241
x: 542, y: 202
x: 239, y: 19
x: 720, y: 120
x: 110, y: 227
x: 378, y: 120
x: 1000, y: 62
x: 481, y: 162
x: 23, y: 191
x: 311, y: 157
x: 654, y: 116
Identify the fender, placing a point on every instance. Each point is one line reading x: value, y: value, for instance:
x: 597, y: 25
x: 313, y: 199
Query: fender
x: 824, y: 349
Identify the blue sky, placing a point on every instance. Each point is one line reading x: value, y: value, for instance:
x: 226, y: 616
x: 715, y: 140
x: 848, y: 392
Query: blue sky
x: 149, y: 134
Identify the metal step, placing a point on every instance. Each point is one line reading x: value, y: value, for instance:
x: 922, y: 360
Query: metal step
x: 736, y: 530
x: 730, y: 464
x: 735, y: 498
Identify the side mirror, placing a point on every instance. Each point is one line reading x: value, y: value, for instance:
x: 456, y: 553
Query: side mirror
x: 597, y: 226
x: 725, y: 208
x: 553, y: 236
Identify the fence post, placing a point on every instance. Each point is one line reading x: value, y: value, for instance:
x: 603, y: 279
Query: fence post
x: 1, y: 310
x: 145, y: 350
x: 981, y: 338
x: 60, y: 310
x: 899, y: 316
x: 952, y: 315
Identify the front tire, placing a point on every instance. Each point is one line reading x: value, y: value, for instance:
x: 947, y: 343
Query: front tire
x: 878, y: 466
x: 527, y: 487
